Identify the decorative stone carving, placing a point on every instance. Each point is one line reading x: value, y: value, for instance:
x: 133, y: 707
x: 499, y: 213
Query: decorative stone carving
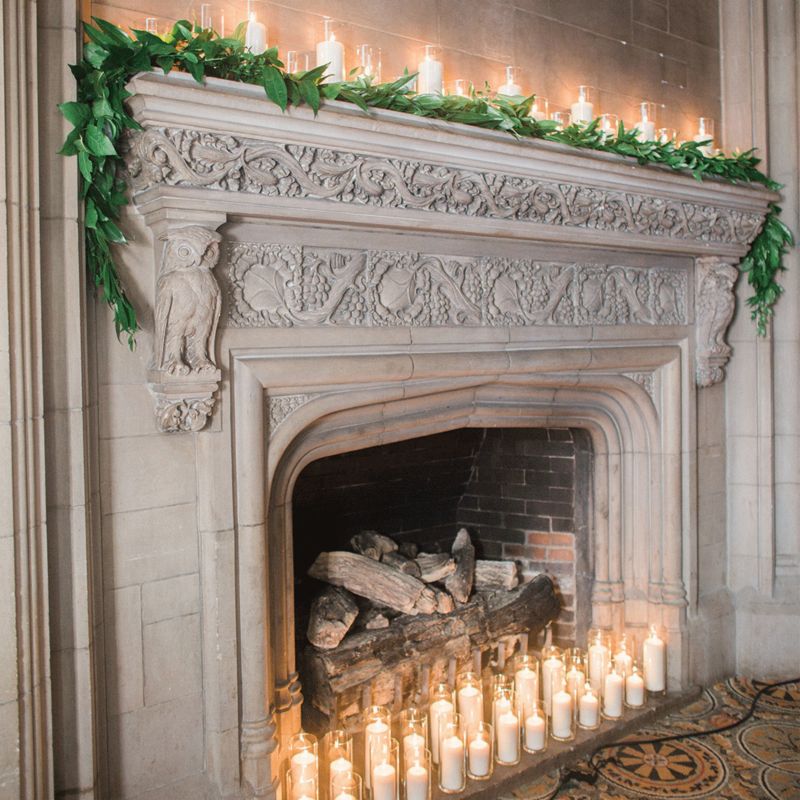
x: 183, y: 373
x: 281, y: 406
x: 181, y: 157
x: 645, y: 379
x: 715, y: 303
x: 273, y: 285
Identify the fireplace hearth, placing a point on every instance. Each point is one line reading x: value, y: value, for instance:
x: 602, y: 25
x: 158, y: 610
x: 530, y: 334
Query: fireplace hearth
x: 389, y: 280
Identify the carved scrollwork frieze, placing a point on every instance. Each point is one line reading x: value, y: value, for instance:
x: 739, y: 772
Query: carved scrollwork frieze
x: 715, y: 303
x: 182, y: 157
x: 272, y: 285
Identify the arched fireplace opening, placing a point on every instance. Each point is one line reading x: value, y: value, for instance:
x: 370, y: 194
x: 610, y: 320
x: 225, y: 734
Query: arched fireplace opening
x: 523, y: 494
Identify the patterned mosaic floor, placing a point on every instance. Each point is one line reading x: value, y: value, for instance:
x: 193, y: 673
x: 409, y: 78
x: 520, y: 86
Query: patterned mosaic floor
x: 759, y: 760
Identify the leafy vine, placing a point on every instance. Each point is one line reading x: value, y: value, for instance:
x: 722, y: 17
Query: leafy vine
x: 99, y: 118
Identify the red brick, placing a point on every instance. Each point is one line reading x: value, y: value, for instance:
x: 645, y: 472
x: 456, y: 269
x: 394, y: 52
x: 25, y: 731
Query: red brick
x: 560, y: 554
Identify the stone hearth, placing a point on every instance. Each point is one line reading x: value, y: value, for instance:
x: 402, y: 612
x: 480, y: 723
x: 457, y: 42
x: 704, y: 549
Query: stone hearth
x: 369, y: 280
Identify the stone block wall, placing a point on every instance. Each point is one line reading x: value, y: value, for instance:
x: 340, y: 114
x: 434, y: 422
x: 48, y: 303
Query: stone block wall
x: 665, y: 51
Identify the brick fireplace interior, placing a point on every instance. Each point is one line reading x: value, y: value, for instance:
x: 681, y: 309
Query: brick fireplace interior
x: 523, y: 493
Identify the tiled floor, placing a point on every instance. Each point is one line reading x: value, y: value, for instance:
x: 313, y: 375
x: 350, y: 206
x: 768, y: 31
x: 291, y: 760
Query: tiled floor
x: 759, y: 760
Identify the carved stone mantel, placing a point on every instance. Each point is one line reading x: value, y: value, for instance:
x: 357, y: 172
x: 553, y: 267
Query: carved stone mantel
x: 326, y: 268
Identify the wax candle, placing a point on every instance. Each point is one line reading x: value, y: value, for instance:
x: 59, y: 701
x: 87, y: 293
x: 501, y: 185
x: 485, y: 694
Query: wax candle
x: 440, y: 711
x: 480, y: 752
x: 705, y: 133
x: 561, y: 722
x: 413, y: 744
x: 588, y: 709
x: 647, y: 122
x: 582, y: 111
x: 416, y: 782
x: 511, y: 86
x: 575, y: 681
x: 598, y: 661
x: 552, y: 670
x: 430, y: 79
x: 623, y: 661
x: 655, y: 678
x: 255, y: 37
x: 608, y: 124
x: 384, y: 782
x: 612, y: 695
x: 451, y: 770
x: 535, y: 732
x: 634, y: 689
x: 343, y: 795
x: 331, y: 52
x: 470, y: 705
x: 526, y: 686
x: 304, y: 766
x: 507, y: 725
x: 377, y: 738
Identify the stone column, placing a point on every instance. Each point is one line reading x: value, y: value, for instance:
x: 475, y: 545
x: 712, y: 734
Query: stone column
x: 25, y: 731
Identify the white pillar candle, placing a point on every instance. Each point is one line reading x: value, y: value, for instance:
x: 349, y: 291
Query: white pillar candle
x: 479, y: 752
x: 598, y: 653
x: 534, y: 732
x: 340, y: 767
x: 647, y: 131
x: 470, y: 706
x: 413, y: 745
x: 331, y: 52
x: 561, y: 722
x: 634, y: 690
x: 417, y: 783
x: 255, y: 37
x: 575, y: 681
x: 344, y: 795
x: 526, y: 687
x: 451, y: 770
x: 552, y: 670
x: 439, y: 710
x: 612, y: 695
x: 304, y: 767
x: 582, y: 111
x: 509, y: 89
x: 431, y: 76
x: 655, y: 679
x: 384, y: 783
x: 537, y: 113
x: 507, y: 725
x: 377, y: 735
x: 588, y: 710
x: 623, y: 662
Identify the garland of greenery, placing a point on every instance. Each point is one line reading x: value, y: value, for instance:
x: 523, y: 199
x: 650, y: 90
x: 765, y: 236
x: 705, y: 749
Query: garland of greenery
x: 99, y: 119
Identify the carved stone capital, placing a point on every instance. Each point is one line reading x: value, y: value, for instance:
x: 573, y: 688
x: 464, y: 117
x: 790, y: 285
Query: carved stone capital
x: 258, y: 742
x: 183, y: 371
x: 714, y: 306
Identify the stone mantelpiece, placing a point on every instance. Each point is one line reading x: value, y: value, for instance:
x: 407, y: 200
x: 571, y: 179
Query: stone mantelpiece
x: 384, y: 277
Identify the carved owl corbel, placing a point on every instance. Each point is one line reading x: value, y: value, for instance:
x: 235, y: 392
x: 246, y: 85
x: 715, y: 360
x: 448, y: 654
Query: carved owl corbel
x: 188, y: 303
x: 715, y: 304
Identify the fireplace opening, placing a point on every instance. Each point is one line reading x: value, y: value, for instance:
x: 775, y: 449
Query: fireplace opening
x: 522, y: 494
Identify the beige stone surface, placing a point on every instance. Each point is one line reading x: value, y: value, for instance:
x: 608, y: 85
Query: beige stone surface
x: 172, y: 658
x: 173, y: 597
x: 124, y: 650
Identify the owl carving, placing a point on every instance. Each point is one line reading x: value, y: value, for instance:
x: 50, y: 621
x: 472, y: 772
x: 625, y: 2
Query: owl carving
x: 715, y: 304
x: 187, y: 303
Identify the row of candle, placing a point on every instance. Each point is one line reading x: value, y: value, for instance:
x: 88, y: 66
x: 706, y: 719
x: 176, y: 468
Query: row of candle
x: 430, y: 80
x: 541, y: 698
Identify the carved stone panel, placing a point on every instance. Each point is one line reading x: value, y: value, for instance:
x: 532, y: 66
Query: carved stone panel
x: 189, y: 158
x: 715, y: 303
x: 273, y: 285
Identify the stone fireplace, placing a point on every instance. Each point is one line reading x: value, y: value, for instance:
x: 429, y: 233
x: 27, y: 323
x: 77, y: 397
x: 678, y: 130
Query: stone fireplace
x: 390, y: 284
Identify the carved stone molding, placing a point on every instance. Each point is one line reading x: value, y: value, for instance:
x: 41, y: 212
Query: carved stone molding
x: 189, y: 158
x: 715, y: 302
x: 183, y: 373
x: 281, y: 406
x: 646, y: 380
x: 272, y: 285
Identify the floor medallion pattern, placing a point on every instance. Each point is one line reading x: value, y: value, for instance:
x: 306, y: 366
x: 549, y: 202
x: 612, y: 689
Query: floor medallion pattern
x: 759, y: 760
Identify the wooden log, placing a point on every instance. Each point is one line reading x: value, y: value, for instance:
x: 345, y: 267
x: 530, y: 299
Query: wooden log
x: 435, y: 566
x: 491, y: 576
x: 377, y: 656
x: 459, y: 583
x: 372, y: 544
x: 375, y: 581
x: 332, y: 615
x: 404, y: 564
x: 374, y: 619
x: 444, y: 601
x: 408, y: 549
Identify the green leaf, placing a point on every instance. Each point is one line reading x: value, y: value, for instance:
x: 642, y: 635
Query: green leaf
x: 309, y: 92
x: 97, y: 142
x: 102, y: 108
x: 85, y: 165
x: 77, y: 114
x: 275, y: 86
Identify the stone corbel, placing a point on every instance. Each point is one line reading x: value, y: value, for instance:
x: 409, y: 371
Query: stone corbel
x: 183, y: 376
x: 715, y: 302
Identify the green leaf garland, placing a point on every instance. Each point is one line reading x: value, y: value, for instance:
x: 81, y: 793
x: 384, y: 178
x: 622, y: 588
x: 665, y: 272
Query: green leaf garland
x: 99, y: 118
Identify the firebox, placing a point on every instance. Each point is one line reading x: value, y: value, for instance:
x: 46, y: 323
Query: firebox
x: 523, y: 495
